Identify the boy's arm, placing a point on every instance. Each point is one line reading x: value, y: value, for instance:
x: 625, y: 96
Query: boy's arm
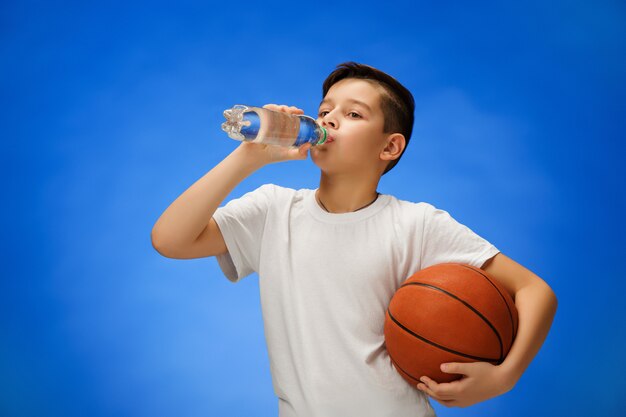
x: 186, y: 229
x: 536, y: 306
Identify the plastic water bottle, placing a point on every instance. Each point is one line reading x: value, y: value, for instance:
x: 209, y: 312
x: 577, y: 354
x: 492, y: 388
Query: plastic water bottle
x: 259, y: 125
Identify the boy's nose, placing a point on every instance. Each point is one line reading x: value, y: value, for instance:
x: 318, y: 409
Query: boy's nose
x: 327, y: 121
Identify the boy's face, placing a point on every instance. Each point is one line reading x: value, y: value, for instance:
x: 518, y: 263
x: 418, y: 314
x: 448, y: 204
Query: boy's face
x: 355, y: 130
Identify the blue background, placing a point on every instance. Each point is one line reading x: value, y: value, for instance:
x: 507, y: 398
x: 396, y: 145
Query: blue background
x: 109, y: 112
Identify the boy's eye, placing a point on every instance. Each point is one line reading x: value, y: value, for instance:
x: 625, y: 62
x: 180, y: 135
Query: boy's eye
x: 352, y: 114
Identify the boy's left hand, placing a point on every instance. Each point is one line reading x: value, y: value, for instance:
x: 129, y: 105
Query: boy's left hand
x: 481, y: 381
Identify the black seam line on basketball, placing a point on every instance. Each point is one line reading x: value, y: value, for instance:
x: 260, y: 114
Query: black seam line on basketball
x: 503, y: 299
x: 423, y: 339
x: 468, y: 305
x: 401, y: 368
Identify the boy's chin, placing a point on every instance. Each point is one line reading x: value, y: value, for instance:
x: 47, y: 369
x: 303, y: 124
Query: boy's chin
x: 326, y: 167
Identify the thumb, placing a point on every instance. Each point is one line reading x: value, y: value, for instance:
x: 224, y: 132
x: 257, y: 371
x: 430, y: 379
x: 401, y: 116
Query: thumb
x: 454, y: 368
x: 302, y: 151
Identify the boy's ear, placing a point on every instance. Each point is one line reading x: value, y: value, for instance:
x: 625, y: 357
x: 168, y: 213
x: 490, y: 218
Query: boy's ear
x: 394, y: 147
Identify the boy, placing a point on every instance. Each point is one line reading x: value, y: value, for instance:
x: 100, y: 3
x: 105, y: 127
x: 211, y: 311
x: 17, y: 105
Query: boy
x: 329, y: 260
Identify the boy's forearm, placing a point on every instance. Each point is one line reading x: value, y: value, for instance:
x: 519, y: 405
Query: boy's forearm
x: 536, y: 305
x: 185, y: 219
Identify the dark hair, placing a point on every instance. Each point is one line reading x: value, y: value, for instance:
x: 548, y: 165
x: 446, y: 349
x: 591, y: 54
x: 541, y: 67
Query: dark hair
x: 397, y: 102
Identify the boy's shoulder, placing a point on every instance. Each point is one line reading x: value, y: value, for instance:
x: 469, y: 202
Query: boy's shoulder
x: 410, y: 205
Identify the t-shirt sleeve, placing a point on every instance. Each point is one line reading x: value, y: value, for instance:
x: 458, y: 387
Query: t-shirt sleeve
x: 446, y: 240
x: 242, y: 223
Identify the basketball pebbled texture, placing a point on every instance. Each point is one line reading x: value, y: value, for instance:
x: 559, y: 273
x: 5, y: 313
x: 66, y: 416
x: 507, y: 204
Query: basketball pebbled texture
x: 448, y: 313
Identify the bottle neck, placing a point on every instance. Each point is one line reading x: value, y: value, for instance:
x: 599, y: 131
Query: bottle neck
x: 323, y: 135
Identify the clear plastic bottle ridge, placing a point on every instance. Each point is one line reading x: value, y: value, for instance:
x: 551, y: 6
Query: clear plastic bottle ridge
x: 259, y: 125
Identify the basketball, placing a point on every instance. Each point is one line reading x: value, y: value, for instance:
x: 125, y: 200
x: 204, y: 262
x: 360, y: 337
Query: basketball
x: 448, y: 313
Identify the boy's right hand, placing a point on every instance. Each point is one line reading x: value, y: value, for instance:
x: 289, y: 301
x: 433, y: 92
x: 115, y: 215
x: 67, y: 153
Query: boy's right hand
x: 268, y: 154
x: 183, y: 231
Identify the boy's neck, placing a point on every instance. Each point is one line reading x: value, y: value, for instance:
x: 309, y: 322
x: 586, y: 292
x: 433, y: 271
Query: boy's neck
x: 345, y: 196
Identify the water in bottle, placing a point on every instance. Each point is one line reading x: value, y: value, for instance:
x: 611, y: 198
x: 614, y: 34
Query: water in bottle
x: 259, y: 125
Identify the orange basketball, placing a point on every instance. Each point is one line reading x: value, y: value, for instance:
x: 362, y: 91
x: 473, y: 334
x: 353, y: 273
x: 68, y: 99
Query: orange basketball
x: 448, y: 313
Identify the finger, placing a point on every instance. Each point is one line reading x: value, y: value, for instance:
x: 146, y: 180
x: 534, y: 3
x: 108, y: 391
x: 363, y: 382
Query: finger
x: 293, y: 110
x: 430, y: 383
x: 273, y: 107
x: 284, y: 108
x: 436, y: 389
x: 424, y: 388
x: 300, y: 152
x: 448, y: 389
x: 455, y: 368
x: 304, y: 148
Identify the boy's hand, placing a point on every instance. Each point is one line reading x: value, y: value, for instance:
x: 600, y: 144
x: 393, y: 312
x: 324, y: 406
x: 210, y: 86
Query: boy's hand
x: 481, y: 381
x: 267, y: 154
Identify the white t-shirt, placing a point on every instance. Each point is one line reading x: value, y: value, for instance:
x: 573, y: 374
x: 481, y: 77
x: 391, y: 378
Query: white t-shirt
x: 326, y: 280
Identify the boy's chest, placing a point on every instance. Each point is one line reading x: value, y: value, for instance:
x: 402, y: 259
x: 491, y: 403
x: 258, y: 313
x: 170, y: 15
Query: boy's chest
x: 327, y: 261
